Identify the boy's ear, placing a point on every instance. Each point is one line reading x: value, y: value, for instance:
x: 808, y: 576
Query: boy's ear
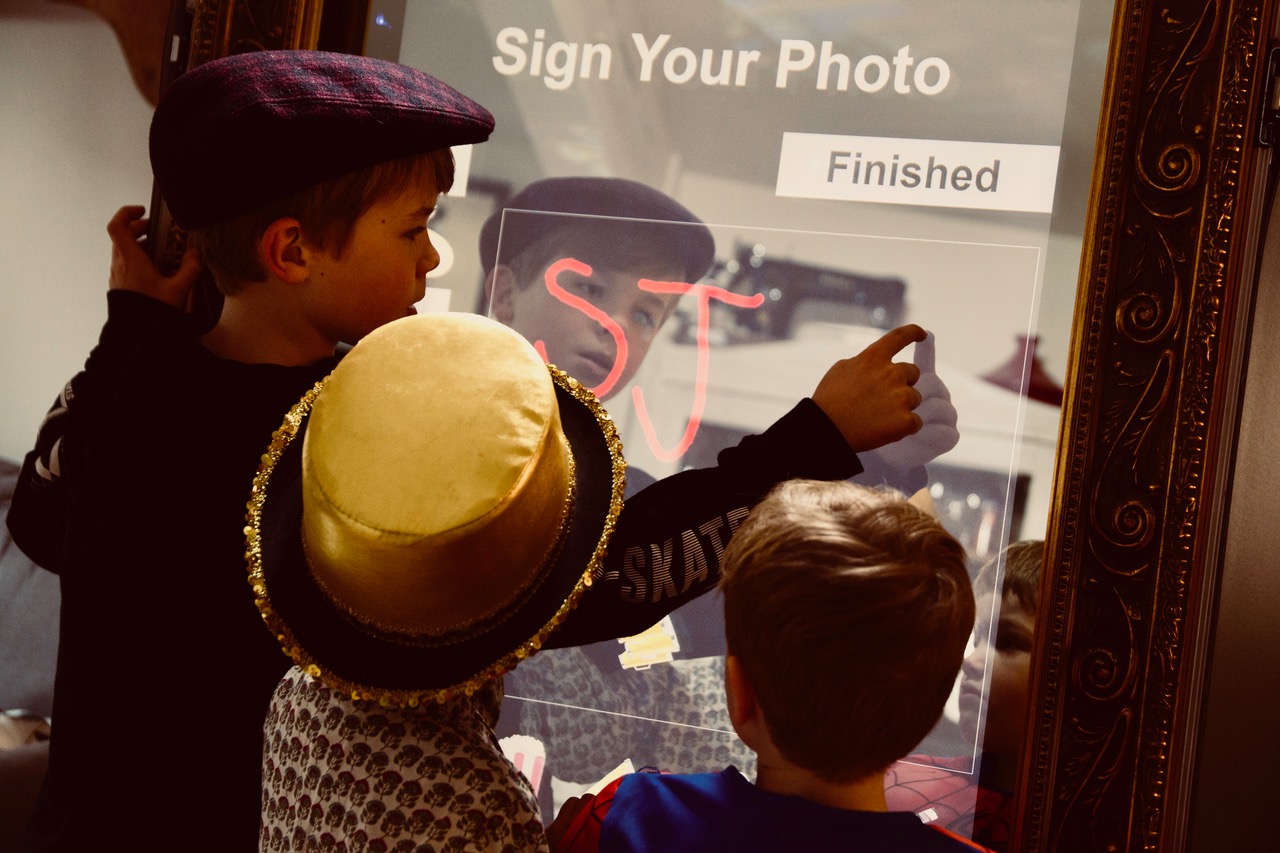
x: 500, y: 288
x: 284, y: 251
x: 740, y: 696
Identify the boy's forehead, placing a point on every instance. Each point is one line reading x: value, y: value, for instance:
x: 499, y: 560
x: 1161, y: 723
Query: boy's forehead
x: 654, y: 259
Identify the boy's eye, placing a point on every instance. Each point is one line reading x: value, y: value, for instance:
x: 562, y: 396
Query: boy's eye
x: 588, y: 288
x: 1013, y: 641
x: 645, y: 319
x: 413, y: 233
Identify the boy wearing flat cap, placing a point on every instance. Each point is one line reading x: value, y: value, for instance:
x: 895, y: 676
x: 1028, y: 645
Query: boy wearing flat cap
x: 594, y: 320
x: 135, y: 492
x: 618, y: 231
x: 305, y: 180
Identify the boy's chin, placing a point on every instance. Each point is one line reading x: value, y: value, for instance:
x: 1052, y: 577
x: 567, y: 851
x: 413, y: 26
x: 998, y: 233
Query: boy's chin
x: 590, y: 373
x: 585, y: 371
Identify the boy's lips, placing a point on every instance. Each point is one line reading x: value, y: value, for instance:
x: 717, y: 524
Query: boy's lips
x: 602, y: 361
x: 591, y: 367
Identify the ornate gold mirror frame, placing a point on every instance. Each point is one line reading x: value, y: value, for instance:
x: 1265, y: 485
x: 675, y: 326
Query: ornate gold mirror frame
x: 1153, y: 397
x: 1146, y: 444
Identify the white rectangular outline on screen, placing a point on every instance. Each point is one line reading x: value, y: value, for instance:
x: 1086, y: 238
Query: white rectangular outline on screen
x: 1011, y: 468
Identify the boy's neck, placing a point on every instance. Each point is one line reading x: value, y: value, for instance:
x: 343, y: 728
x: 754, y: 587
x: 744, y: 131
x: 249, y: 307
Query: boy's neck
x: 255, y: 334
x: 779, y: 776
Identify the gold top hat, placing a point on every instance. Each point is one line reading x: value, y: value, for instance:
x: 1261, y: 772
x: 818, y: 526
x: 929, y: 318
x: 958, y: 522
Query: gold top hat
x: 423, y: 514
x: 452, y: 500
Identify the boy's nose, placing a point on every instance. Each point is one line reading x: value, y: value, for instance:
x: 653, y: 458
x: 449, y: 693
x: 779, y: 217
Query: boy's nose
x: 429, y: 260
x: 602, y: 332
x: 976, y: 661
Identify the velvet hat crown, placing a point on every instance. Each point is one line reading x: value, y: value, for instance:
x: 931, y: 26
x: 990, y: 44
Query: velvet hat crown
x: 431, y: 511
x: 240, y: 132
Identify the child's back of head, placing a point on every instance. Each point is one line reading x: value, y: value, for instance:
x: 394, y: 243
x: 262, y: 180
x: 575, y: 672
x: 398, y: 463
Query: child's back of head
x: 849, y: 610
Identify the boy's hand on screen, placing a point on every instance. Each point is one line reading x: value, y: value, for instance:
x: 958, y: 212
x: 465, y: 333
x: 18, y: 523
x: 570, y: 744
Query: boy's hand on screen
x: 132, y: 268
x: 938, y: 416
x: 870, y: 397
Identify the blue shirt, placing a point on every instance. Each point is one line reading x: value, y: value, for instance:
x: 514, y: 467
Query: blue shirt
x: 668, y: 813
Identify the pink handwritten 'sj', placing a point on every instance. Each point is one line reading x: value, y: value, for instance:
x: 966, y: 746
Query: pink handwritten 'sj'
x: 619, y: 336
x: 703, y: 293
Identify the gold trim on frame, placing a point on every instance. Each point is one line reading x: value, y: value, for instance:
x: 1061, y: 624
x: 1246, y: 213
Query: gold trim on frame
x: 1134, y: 536
x: 224, y: 27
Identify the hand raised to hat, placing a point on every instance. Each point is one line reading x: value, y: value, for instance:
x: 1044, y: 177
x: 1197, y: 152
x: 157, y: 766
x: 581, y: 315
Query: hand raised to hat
x: 133, y: 269
x: 870, y: 397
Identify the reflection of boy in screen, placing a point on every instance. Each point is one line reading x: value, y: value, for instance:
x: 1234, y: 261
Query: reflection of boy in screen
x: 622, y: 231
x: 847, y: 611
x: 984, y: 810
x: 598, y: 326
x: 625, y: 231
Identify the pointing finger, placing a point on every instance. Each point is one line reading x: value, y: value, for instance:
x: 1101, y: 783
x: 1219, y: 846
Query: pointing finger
x: 895, y: 341
x: 924, y: 356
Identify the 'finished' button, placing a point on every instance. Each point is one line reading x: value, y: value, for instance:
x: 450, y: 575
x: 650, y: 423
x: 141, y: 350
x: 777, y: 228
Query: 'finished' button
x: 926, y: 172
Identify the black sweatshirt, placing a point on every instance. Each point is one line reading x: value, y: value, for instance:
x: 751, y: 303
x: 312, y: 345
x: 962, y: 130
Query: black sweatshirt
x: 135, y: 495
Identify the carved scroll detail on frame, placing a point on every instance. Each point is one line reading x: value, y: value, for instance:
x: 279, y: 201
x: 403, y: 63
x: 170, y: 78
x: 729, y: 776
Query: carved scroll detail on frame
x: 1163, y: 254
x: 224, y: 27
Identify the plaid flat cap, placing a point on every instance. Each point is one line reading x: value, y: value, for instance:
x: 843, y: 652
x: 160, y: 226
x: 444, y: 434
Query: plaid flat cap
x: 238, y: 133
x: 619, y: 209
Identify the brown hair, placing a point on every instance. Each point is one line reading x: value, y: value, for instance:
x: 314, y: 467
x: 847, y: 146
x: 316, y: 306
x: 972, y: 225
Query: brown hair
x: 1023, y: 563
x: 328, y: 212
x: 849, y: 610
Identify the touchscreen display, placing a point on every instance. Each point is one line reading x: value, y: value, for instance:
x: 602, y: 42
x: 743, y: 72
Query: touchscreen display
x: 695, y: 209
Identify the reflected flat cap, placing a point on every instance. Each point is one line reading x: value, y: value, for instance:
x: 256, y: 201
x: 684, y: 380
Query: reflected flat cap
x: 240, y: 132
x: 621, y: 209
